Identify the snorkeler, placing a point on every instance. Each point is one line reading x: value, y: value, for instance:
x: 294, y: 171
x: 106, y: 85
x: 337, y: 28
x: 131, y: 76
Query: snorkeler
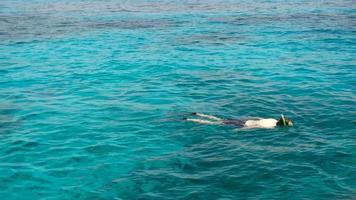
x: 244, y: 123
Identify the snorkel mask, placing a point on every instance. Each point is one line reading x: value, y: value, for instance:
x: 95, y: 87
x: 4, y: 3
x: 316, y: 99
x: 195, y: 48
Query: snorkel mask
x: 284, y: 121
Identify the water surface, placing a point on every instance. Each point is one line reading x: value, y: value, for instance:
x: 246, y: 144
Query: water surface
x: 92, y: 96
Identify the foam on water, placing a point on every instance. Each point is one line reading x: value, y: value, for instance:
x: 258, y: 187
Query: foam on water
x: 93, y: 93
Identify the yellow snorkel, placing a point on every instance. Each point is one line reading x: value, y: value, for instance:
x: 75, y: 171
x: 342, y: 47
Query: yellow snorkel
x: 283, y: 120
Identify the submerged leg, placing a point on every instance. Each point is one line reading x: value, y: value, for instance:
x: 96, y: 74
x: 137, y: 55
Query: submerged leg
x: 202, y: 121
x: 208, y: 116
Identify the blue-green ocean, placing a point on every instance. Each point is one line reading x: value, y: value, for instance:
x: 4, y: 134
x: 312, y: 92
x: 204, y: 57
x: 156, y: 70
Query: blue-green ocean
x: 92, y: 96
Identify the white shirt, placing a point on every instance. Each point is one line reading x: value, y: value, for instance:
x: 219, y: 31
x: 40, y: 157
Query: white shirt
x: 261, y: 123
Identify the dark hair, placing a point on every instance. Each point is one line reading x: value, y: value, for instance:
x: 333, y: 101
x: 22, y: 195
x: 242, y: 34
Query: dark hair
x: 281, y: 123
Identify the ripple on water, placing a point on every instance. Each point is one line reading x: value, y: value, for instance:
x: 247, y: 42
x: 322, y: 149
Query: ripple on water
x: 93, y: 94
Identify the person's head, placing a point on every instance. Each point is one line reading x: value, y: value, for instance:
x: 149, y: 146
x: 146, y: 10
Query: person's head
x: 283, y: 121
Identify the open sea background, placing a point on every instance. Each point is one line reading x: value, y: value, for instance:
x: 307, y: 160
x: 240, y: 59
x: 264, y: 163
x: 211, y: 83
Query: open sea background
x: 92, y: 94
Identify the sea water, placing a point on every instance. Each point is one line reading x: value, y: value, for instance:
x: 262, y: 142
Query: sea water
x: 92, y: 96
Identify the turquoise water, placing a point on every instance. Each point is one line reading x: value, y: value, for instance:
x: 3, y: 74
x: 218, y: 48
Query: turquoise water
x: 92, y: 96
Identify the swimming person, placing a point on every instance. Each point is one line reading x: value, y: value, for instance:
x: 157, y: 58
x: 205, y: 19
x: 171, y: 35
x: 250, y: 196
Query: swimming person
x: 245, y: 123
